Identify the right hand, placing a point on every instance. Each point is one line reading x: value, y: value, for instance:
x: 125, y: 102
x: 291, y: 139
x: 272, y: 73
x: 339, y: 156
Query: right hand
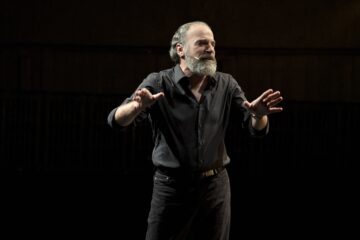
x: 265, y: 104
x: 145, y: 98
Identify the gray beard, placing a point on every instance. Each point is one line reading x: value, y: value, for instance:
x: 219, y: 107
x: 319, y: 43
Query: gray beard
x: 203, y: 67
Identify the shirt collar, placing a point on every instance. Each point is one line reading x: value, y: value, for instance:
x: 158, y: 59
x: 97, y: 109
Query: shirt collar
x: 179, y: 74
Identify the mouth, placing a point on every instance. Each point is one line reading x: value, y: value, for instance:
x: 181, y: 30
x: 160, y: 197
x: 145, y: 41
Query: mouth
x: 207, y: 58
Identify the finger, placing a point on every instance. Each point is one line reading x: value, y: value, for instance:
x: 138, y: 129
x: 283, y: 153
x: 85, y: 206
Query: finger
x: 137, y: 98
x: 275, y: 109
x: 158, y: 96
x: 266, y: 93
x: 136, y: 94
x: 274, y: 102
x: 272, y: 96
x: 143, y: 92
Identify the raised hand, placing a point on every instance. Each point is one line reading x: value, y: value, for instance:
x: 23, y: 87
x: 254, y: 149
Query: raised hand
x: 265, y: 104
x: 145, y: 98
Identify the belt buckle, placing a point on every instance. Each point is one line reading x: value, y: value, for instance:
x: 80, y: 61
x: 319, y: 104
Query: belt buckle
x: 209, y: 173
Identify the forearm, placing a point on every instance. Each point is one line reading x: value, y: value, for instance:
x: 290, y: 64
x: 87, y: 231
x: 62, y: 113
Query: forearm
x: 259, y: 123
x: 125, y: 114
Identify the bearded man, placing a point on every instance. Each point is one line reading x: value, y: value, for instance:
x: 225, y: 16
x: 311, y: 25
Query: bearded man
x: 188, y: 107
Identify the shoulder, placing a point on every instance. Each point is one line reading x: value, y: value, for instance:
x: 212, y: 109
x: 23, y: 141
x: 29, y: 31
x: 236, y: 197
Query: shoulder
x: 154, y: 80
x: 226, y: 78
x: 156, y: 76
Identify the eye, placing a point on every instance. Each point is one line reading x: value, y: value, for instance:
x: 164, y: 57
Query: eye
x: 204, y: 42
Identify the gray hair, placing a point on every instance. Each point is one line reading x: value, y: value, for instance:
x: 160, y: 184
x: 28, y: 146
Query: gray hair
x: 179, y: 37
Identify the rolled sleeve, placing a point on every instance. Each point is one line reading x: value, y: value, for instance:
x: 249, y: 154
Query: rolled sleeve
x: 258, y: 133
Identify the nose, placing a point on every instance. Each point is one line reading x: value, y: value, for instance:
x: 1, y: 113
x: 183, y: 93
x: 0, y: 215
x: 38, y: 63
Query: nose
x: 210, y: 48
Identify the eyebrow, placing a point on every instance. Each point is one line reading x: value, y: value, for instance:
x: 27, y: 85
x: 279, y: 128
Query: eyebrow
x: 213, y: 42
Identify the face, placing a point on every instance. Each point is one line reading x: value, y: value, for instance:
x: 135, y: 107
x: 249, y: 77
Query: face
x: 199, y: 50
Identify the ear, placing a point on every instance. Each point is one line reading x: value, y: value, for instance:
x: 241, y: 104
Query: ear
x: 180, y: 50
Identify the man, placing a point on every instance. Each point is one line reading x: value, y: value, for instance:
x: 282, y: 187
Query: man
x: 189, y: 107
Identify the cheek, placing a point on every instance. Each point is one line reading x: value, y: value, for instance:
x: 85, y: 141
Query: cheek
x: 192, y: 50
x: 187, y: 51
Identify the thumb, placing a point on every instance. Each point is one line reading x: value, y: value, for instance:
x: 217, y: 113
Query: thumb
x: 246, y: 104
x: 158, y: 96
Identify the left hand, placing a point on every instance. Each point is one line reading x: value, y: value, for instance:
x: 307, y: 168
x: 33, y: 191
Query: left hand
x: 265, y: 104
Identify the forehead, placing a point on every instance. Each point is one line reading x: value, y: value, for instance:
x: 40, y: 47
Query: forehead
x: 199, y: 31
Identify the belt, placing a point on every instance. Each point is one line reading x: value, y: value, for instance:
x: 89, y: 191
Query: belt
x: 211, y: 172
x: 177, y: 172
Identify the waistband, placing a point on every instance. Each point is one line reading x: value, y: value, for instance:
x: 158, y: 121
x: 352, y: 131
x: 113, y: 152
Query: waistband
x: 178, y: 172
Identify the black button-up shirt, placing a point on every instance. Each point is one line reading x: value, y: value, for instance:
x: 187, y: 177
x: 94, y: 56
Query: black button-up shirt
x: 187, y: 133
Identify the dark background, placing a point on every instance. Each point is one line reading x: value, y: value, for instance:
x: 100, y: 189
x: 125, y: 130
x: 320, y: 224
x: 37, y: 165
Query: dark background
x: 65, y: 64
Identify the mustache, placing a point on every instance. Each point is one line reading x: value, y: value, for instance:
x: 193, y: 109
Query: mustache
x: 206, y: 57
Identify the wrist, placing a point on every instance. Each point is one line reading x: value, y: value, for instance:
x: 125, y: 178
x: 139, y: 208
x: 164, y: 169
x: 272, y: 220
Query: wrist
x: 257, y: 117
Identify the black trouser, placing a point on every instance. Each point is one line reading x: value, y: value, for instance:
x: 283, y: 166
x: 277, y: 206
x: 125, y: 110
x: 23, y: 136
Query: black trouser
x: 189, y: 207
